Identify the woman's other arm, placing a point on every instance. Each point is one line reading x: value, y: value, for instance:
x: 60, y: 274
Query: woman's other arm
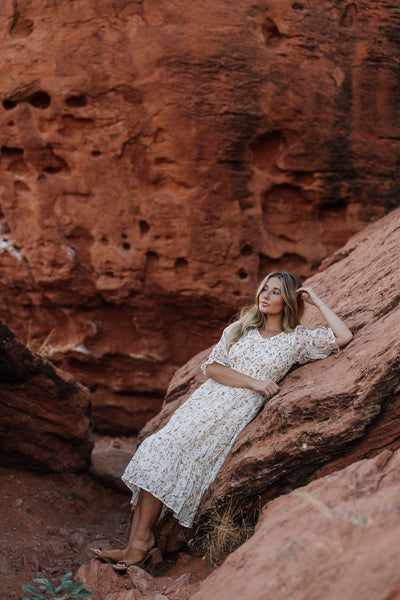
x: 341, y: 332
x: 228, y: 376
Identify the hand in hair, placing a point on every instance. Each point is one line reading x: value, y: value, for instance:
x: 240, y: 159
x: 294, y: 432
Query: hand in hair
x: 308, y: 295
x: 341, y: 332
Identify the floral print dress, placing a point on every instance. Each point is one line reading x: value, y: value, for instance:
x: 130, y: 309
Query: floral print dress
x: 178, y: 463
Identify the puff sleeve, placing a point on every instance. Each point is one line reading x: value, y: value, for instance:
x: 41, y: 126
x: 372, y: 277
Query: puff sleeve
x: 219, y: 353
x: 314, y: 344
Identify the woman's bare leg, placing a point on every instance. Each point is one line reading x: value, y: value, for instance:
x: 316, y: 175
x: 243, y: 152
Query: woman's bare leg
x: 146, y: 513
x: 141, y: 537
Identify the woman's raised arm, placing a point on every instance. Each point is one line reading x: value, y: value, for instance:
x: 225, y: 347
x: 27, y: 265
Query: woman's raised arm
x: 341, y: 332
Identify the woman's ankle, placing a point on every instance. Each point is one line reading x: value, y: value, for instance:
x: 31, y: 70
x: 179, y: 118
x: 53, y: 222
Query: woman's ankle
x: 143, y: 543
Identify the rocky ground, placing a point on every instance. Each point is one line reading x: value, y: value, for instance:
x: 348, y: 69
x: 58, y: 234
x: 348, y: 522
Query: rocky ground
x: 336, y: 538
x: 49, y: 523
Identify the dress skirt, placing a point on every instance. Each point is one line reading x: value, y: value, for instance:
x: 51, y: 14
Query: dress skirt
x: 178, y: 463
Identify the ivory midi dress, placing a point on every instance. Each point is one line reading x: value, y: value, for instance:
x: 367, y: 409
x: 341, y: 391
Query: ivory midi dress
x: 178, y: 463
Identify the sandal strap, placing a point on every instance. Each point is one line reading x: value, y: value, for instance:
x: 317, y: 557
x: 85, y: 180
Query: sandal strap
x: 134, y: 556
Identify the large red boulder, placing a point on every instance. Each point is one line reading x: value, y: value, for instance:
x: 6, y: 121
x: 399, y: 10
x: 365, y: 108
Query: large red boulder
x: 44, y: 420
x: 336, y: 538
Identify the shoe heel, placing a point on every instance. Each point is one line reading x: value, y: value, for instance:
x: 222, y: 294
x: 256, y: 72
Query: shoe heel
x: 156, y: 556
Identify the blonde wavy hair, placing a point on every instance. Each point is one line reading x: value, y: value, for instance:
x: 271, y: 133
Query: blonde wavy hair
x: 252, y: 318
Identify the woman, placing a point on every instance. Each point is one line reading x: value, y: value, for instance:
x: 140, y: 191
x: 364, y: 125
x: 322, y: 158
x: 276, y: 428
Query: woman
x: 176, y: 465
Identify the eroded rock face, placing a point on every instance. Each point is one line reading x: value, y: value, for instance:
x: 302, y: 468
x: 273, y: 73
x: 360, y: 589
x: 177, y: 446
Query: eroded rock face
x: 336, y: 538
x: 333, y: 412
x: 158, y: 159
x: 44, y: 421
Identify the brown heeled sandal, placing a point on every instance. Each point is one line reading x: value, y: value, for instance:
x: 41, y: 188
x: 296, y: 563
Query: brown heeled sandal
x: 108, y: 556
x: 138, y: 557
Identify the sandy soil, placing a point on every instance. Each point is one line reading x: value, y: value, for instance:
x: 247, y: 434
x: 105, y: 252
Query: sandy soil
x: 50, y: 521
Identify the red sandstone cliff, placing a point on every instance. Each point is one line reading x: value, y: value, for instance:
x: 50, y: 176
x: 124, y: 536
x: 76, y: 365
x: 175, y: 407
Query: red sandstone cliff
x: 158, y: 158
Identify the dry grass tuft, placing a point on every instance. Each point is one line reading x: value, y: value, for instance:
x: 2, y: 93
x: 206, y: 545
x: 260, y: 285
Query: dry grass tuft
x: 223, y: 532
x: 29, y: 338
x: 45, y: 345
x: 34, y: 345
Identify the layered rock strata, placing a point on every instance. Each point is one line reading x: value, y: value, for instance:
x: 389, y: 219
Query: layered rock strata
x: 44, y: 412
x: 157, y: 159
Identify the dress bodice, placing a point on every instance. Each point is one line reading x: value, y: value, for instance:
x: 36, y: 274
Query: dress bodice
x: 272, y: 357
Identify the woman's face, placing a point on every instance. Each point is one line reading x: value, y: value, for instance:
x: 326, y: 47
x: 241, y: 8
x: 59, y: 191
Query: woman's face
x: 270, y: 301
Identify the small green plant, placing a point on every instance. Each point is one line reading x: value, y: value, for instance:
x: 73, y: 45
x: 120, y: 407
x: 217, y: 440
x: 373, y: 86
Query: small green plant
x: 66, y: 589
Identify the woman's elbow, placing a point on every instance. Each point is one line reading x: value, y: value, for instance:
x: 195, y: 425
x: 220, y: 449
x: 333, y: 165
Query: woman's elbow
x: 343, y: 340
x: 209, y: 370
x: 212, y: 370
